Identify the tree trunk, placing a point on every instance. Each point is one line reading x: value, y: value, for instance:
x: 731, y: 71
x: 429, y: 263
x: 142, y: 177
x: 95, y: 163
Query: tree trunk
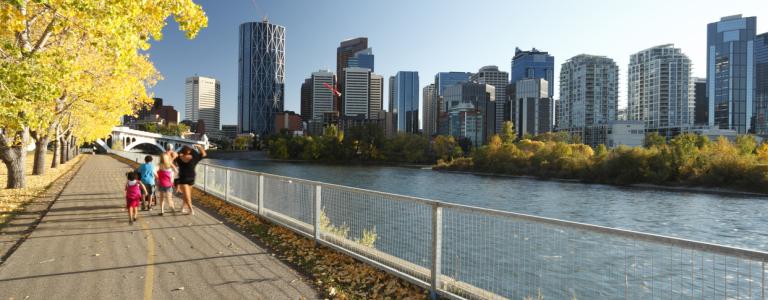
x: 14, y: 159
x: 63, y: 156
x: 56, y: 153
x: 41, y: 144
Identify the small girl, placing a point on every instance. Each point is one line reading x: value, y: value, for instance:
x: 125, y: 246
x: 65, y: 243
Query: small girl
x: 165, y: 182
x: 133, y: 191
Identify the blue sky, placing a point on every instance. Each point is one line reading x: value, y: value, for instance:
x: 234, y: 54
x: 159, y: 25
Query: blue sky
x: 431, y: 36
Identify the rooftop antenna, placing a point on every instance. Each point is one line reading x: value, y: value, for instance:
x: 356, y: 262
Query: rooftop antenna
x: 257, y: 8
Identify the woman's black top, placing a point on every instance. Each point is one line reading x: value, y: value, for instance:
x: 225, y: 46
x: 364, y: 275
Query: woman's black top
x: 187, y: 169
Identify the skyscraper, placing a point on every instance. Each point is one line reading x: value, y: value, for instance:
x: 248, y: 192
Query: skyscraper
x: 407, y: 101
x: 203, y: 102
x: 429, y: 110
x: 362, y: 59
x: 700, y: 102
x: 376, y: 102
x: 761, y: 84
x: 589, y: 96
x: 306, y: 100
x: 473, y: 102
x: 445, y: 79
x: 534, y: 107
x: 499, y: 80
x: 661, y: 90
x: 534, y: 64
x: 356, y: 92
x: 261, y: 76
x: 346, y: 50
x: 731, y: 73
x: 322, y: 97
x: 392, y: 97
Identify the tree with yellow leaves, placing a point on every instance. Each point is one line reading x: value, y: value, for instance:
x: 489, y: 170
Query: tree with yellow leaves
x: 70, y: 67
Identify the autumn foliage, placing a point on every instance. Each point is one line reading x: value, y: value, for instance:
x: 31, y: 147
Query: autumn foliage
x: 686, y: 160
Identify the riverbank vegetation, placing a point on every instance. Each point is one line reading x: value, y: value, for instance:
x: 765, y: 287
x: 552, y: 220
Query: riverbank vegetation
x: 686, y: 160
x: 362, y: 144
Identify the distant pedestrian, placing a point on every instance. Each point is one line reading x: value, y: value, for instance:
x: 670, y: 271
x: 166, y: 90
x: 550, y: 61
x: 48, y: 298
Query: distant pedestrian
x: 94, y: 150
x: 165, y: 173
x: 148, y: 176
x: 133, y: 192
x: 187, y: 161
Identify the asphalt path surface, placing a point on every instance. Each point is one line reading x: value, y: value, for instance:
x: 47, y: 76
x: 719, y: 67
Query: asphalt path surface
x: 84, y: 248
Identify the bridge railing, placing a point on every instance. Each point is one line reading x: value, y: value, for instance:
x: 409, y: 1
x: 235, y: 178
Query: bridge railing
x: 467, y: 252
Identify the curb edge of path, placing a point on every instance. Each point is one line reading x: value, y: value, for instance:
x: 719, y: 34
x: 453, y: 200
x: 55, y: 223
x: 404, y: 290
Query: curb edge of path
x: 47, y: 199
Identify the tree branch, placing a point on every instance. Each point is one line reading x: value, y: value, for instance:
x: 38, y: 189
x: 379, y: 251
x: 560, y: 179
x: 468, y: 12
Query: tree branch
x: 41, y: 43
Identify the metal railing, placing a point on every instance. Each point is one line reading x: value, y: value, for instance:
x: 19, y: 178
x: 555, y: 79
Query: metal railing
x: 460, y: 251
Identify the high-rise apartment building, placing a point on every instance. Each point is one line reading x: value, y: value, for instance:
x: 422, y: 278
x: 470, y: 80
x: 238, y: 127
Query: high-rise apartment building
x: 407, y: 101
x: 589, y: 96
x: 499, y: 80
x: 306, y: 100
x: 429, y: 110
x: 700, y: 102
x: 203, y: 102
x: 731, y: 73
x: 661, y: 90
x: 532, y: 65
x: 761, y: 84
x: 376, y: 101
x: 534, y: 107
x: 356, y: 92
x: 261, y: 76
x: 479, y: 101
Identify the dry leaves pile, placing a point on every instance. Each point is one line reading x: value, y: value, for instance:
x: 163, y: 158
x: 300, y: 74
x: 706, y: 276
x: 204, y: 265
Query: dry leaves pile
x: 13, y: 200
x: 337, y: 275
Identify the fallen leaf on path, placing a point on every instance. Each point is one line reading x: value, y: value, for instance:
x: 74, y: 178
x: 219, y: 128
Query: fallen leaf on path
x: 96, y: 254
x: 181, y: 288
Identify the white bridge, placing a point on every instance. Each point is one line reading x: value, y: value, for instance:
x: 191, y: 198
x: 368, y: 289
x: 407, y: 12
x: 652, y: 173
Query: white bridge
x: 126, y: 139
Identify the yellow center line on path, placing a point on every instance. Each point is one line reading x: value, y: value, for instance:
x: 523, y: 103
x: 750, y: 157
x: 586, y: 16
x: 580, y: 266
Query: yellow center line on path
x: 149, y: 277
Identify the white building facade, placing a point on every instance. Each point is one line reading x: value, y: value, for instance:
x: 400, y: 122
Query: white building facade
x: 203, y: 102
x: 660, y: 90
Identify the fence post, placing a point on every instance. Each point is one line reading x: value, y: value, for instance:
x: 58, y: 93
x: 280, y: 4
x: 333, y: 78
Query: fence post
x: 226, y: 185
x: 205, y: 178
x: 437, y: 242
x: 317, y: 210
x: 261, y: 195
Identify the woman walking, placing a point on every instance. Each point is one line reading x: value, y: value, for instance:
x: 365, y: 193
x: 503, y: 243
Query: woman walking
x: 186, y: 162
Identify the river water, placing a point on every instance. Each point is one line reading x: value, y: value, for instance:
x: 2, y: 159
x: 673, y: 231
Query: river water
x: 740, y: 221
x: 518, y: 259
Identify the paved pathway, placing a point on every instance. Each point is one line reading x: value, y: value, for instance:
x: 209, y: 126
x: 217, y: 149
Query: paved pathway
x: 85, y: 249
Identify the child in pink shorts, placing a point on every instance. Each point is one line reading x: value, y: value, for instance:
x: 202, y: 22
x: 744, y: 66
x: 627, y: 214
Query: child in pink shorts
x: 133, y: 191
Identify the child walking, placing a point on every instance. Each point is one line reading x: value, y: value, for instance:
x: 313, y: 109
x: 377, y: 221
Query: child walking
x: 165, y: 182
x: 133, y: 191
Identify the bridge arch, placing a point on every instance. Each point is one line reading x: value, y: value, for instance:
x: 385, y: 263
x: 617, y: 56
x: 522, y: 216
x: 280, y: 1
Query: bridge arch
x: 140, y: 142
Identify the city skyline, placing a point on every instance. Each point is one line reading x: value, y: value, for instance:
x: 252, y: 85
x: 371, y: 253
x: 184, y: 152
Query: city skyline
x: 425, y: 48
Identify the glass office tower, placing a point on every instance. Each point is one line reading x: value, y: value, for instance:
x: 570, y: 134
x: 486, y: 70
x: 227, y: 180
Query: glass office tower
x: 261, y: 76
x: 731, y: 73
x: 533, y: 64
x: 407, y: 101
x: 761, y: 84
